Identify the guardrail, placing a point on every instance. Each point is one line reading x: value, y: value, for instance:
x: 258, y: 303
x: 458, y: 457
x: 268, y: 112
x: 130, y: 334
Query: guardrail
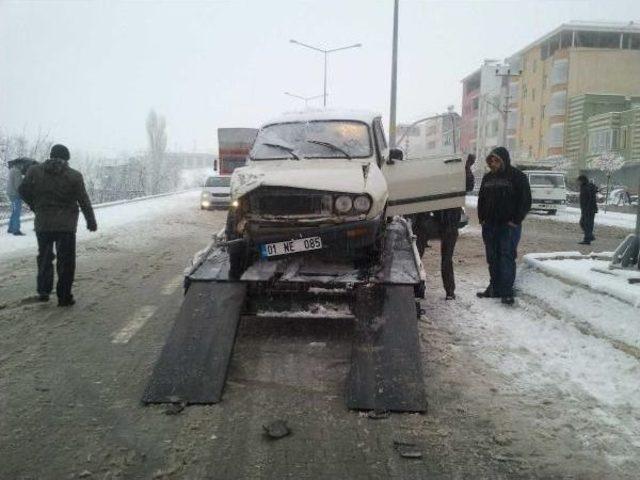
x: 98, y: 206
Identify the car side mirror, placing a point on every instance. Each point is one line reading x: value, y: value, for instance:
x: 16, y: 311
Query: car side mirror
x: 395, y: 154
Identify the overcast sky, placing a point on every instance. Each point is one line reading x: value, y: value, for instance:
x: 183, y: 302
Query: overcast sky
x: 88, y: 72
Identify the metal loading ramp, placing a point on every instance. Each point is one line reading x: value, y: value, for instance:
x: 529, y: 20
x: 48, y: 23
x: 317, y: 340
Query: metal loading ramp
x: 386, y: 371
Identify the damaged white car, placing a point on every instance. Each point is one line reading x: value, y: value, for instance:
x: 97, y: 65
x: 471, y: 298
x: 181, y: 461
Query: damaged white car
x: 327, y: 181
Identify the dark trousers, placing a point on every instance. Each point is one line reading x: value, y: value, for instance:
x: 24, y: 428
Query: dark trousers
x: 586, y: 224
x: 65, y: 249
x: 501, y: 245
x: 448, y: 239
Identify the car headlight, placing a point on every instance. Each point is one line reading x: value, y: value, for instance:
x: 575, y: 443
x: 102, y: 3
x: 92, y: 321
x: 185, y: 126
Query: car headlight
x: 343, y: 204
x: 362, y: 203
x: 204, y: 195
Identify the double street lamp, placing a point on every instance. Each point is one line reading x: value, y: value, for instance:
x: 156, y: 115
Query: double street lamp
x: 325, y: 52
x: 306, y: 99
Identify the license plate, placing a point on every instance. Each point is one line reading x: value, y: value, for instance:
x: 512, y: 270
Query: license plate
x: 290, y: 246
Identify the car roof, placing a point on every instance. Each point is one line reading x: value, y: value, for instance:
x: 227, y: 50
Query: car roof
x: 544, y: 172
x: 325, y: 114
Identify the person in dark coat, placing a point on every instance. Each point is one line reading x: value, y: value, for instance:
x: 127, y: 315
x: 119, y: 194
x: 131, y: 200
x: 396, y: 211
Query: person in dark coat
x: 503, y: 202
x: 470, y: 180
x: 448, y: 221
x: 54, y: 191
x: 13, y: 182
x: 588, y: 208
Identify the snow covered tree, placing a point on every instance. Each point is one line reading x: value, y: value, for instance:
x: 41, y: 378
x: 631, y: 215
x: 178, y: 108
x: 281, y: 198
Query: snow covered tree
x: 609, y: 163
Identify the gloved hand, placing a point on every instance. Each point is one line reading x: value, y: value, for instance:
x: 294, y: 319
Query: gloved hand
x: 92, y: 226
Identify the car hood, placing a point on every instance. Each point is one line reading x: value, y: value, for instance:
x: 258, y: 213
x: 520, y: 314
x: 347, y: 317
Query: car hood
x: 349, y: 176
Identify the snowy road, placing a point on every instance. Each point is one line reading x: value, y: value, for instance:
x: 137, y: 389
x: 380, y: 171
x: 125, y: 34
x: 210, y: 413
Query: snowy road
x: 547, y: 389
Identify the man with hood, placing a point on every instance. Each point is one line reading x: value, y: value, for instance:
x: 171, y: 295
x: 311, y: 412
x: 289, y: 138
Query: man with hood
x: 588, y: 208
x: 503, y: 202
x: 54, y: 191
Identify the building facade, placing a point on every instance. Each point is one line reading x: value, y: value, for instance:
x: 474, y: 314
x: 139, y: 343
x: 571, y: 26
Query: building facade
x: 435, y: 135
x: 529, y: 107
x: 575, y: 59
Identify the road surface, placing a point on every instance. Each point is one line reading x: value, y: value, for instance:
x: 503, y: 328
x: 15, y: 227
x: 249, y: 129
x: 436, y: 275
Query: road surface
x: 71, y: 379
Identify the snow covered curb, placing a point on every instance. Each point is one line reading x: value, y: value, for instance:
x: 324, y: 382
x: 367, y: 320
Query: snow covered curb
x: 590, y: 271
x: 30, y: 216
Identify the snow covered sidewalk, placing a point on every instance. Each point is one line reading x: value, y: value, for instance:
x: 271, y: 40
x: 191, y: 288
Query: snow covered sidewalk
x: 111, y: 219
x: 589, y: 271
x: 572, y: 215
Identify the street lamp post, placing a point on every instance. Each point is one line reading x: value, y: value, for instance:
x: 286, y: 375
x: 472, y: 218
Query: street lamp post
x: 306, y: 99
x: 394, y: 75
x: 325, y: 52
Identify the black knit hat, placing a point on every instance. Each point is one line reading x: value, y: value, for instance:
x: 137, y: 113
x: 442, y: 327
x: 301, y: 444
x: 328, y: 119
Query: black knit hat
x: 60, y: 151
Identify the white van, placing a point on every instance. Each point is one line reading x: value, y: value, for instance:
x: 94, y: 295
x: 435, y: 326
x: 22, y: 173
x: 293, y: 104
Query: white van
x: 548, y: 190
x: 216, y: 192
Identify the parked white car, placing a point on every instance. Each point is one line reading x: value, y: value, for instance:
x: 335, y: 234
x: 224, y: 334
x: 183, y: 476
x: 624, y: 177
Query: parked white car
x: 216, y: 192
x: 548, y: 190
x: 327, y: 180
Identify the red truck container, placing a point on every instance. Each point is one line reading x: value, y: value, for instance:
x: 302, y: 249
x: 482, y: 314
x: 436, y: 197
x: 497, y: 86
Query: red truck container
x: 234, y: 145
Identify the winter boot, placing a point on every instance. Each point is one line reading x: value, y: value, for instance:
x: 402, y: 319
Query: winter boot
x: 488, y: 293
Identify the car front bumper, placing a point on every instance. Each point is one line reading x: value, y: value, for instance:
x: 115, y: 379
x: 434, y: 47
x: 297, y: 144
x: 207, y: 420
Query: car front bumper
x: 344, y: 237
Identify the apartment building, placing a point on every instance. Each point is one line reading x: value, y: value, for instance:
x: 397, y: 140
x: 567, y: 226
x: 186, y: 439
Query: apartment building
x: 531, y: 103
x: 575, y: 59
x: 483, y: 109
x: 436, y: 135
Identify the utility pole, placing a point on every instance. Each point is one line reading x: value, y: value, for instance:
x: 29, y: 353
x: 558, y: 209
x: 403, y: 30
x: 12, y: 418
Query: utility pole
x: 507, y: 98
x: 394, y: 75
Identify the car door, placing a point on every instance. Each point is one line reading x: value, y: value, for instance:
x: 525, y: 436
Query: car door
x: 422, y: 183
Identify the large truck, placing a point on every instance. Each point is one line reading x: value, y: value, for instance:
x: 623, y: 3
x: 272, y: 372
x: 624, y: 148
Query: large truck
x: 234, y: 145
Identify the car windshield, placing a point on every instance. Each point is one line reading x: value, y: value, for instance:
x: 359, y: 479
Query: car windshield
x: 317, y: 139
x: 218, y: 182
x: 540, y: 180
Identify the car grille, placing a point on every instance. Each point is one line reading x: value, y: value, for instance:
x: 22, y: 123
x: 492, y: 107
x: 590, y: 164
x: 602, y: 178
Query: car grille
x: 289, y: 203
x: 219, y: 194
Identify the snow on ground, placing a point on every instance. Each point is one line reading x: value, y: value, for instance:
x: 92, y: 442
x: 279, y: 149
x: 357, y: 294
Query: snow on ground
x: 111, y: 219
x: 572, y: 215
x: 592, y: 273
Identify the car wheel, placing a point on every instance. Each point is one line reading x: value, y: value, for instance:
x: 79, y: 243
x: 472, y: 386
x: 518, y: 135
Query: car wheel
x: 552, y: 212
x: 237, y: 251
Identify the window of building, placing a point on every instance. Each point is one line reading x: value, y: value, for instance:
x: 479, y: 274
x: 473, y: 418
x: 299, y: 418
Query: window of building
x: 535, y: 65
x: 511, y: 144
x: 558, y: 103
x: 542, y: 109
x: 431, y: 130
x: 533, y: 94
x: 556, y: 135
x: 524, y: 91
x: 512, y: 119
x: 604, y: 140
x: 544, y: 81
x: 560, y: 72
x: 513, y: 90
x: 474, y: 103
x: 623, y: 138
x: 566, y: 39
x: 530, y: 151
x: 598, y: 39
x: 530, y: 122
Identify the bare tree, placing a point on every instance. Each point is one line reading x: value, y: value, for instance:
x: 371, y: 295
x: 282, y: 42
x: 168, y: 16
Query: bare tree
x: 157, y: 136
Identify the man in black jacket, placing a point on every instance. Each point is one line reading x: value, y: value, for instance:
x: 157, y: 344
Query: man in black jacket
x: 53, y: 191
x: 503, y: 202
x: 588, y: 208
